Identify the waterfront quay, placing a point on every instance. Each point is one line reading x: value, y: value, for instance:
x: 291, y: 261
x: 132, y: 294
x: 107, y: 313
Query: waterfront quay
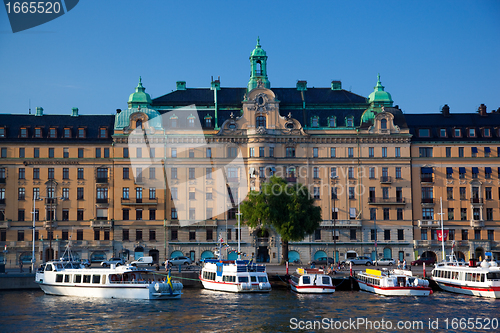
x: 13, y: 279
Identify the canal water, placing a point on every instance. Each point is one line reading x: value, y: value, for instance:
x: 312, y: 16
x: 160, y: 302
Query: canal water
x: 279, y: 311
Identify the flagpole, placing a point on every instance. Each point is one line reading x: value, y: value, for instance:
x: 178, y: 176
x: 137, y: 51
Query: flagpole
x: 442, y: 229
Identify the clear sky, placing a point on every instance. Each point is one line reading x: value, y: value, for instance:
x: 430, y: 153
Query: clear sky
x: 428, y: 53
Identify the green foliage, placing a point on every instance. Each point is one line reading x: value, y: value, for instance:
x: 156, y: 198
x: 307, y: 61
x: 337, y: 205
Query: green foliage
x: 288, y: 209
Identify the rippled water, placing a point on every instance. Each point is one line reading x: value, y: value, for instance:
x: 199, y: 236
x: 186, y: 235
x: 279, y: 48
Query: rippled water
x: 207, y: 311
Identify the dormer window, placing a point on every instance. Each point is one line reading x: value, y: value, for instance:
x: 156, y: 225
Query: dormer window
x: 208, y: 121
x: 424, y: 133
x: 191, y: 119
x: 52, y: 133
x: 38, y: 132
x: 383, y: 124
x: 315, y: 122
x: 81, y: 133
x: 2, y: 132
x: 442, y: 132
x: 67, y: 133
x: 173, y: 121
x: 457, y: 133
x: 332, y: 122
x: 24, y: 132
x: 472, y: 132
x: 103, y: 132
x: 487, y: 132
x: 350, y: 122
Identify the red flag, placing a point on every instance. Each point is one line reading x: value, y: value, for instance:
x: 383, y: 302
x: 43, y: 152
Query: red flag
x: 444, y: 234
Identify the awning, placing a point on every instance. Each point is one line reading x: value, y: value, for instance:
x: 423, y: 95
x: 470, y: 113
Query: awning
x: 487, y: 170
x: 449, y: 170
x: 487, y: 149
x: 475, y: 170
x: 426, y: 170
x: 461, y: 170
x: 474, y: 150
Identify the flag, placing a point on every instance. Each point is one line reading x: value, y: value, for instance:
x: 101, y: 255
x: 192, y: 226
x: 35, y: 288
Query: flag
x: 442, y: 234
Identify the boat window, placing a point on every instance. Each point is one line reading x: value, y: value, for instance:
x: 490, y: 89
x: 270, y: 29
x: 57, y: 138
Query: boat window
x: 58, y: 267
x: 325, y: 280
x: 493, y: 276
x: 67, y: 278
x: 48, y: 267
x: 306, y: 280
x: 78, y: 278
x: 253, y: 278
x: 262, y: 278
x: 242, y: 279
x: 482, y: 277
x: 86, y: 278
x: 103, y: 280
x: 96, y: 279
x: 59, y: 278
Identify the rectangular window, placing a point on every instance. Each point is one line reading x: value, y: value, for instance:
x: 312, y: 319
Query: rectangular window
x: 106, y: 152
x: 125, y: 153
x: 290, y: 152
x: 98, y: 153
x: 424, y: 132
x: 79, y: 215
x: 20, y: 215
x: 65, y: 215
x: 463, y: 214
x: 173, y: 234
x: 191, y: 173
x: 209, y: 213
x: 22, y: 173
x: 460, y: 151
x: 81, y: 133
x: 373, y: 213
x: 192, y: 193
x: 262, y: 152
x: 80, y: 152
x: 126, y: 173
x: 65, y: 193
x: 399, y: 214
x: 152, y: 234
x: 491, y: 235
x: 451, y: 214
x: 138, y: 152
x: 489, y: 214
x: 387, y: 234
x: 138, y: 234
x: 351, y: 193
x: 65, y: 173
x: 21, y: 152
x: 36, y: 152
x: 371, y: 173
x: 352, y: 234
x: 398, y: 172
x: 316, y: 192
x: 271, y: 151
x: 487, y: 193
x: 425, y: 152
x: 152, y: 173
x: 333, y: 152
x: 191, y: 152
x: 350, y: 152
x: 208, y: 153
x: 333, y: 172
x: 384, y: 151
x: 315, y: 152
x: 386, y: 213
x: 50, y: 174
x: 173, y: 173
x: 210, y: 234
x: 463, y: 195
x: 173, y: 193
x: 371, y: 152
x: 21, y: 193
x: 465, y: 234
x: 448, y: 151
x: 126, y: 214
x: 152, y: 193
x: 173, y: 213
x: 232, y: 151
x: 192, y: 213
x: 316, y: 172
x: 442, y: 132
x: 449, y: 193
x: 192, y: 235
x: 79, y: 193
x: 65, y: 152
x: 428, y: 213
x: 397, y: 152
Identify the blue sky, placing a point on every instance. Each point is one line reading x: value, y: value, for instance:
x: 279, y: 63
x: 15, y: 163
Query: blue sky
x: 428, y: 53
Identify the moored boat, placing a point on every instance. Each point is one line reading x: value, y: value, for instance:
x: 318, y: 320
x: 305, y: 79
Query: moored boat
x: 396, y: 282
x: 60, y: 277
x: 458, y: 277
x: 311, y: 281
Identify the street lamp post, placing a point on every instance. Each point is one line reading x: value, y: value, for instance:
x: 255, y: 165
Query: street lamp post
x: 33, y: 259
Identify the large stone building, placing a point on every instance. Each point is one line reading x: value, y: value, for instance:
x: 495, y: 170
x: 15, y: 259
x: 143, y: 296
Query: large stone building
x: 164, y: 177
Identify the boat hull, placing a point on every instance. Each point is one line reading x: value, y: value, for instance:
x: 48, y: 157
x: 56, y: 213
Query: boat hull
x: 136, y: 291
x: 394, y: 291
x: 492, y: 292
x: 312, y: 289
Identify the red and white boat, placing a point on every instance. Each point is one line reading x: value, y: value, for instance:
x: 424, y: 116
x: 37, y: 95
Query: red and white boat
x: 396, y: 282
x: 458, y: 277
x: 311, y: 281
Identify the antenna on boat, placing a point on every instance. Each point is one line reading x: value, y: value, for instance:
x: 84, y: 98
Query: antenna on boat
x: 442, y: 228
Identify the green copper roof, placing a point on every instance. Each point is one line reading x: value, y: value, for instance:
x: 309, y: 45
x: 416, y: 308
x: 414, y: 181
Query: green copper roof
x: 368, y: 116
x: 379, y: 96
x: 122, y: 119
x: 258, y: 51
x: 140, y: 97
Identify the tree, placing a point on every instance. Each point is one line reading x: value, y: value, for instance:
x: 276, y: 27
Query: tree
x: 288, y: 209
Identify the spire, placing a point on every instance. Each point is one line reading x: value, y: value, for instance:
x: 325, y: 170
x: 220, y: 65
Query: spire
x: 140, y: 97
x: 258, y: 42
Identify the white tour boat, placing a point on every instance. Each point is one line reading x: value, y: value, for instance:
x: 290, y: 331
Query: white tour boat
x: 312, y: 281
x: 458, y: 277
x: 396, y: 282
x: 66, y: 278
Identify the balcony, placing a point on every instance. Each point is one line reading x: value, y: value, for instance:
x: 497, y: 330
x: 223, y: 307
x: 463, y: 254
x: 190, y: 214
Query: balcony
x: 4, y: 224
x: 233, y: 180
x: 477, y: 201
x: 51, y: 201
x: 341, y: 223
x: 291, y: 179
x: 50, y: 224
x: 101, y: 180
x: 385, y: 180
x: 386, y: 201
x: 477, y: 223
x: 101, y: 223
x: 139, y: 202
x: 2, y: 180
x: 427, y: 202
x: 101, y: 200
x: 428, y: 224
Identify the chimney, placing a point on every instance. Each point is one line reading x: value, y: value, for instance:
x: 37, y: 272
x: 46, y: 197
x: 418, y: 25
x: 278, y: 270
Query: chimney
x: 215, y: 85
x: 39, y: 111
x: 445, y: 110
x: 74, y: 112
x: 482, y: 110
x: 118, y: 111
x: 336, y: 85
x: 301, y: 85
x: 181, y: 85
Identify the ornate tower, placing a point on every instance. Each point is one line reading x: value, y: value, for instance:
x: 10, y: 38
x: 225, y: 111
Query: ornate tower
x: 258, y: 71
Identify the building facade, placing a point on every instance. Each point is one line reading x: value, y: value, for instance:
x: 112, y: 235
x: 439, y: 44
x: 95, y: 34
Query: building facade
x: 165, y: 176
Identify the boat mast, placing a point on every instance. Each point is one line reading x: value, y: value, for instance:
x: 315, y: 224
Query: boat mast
x: 442, y: 229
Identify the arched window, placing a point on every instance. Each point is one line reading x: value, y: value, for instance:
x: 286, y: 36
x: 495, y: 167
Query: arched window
x: 383, y: 124
x: 350, y: 122
x: 138, y: 124
x: 260, y: 121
